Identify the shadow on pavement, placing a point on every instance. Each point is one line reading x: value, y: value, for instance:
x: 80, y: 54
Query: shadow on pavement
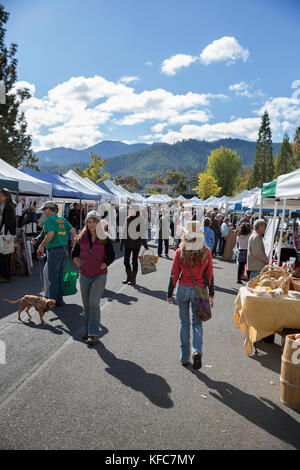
x: 71, y: 315
x: 120, y: 297
x: 159, y: 294
x: 272, y: 359
x: 154, y: 387
x: 226, y: 291
x: 259, y: 411
x: 57, y: 330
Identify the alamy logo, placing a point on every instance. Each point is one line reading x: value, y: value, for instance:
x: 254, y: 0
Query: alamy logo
x: 2, y: 352
x: 2, y: 93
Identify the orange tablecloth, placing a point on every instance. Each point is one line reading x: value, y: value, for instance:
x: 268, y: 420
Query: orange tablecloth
x: 259, y: 317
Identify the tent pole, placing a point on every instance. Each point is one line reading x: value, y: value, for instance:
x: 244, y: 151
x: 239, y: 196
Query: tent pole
x: 260, y: 205
x: 80, y: 215
x: 273, y: 233
x: 281, y: 231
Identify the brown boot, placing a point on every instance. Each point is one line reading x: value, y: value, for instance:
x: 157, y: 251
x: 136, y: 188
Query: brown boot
x: 128, y: 280
x: 133, y: 278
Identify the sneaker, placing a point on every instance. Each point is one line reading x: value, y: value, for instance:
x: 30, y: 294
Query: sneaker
x: 185, y: 363
x: 92, y: 340
x: 197, y: 360
x: 85, y: 335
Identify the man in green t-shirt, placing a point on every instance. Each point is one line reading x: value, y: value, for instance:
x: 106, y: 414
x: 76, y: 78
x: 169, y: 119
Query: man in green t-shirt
x: 56, y: 229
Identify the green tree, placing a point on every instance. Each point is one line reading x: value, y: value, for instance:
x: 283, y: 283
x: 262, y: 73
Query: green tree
x: 128, y: 182
x: 285, y: 162
x: 30, y: 160
x: 15, y: 143
x: 207, y: 186
x: 224, y: 165
x: 296, y: 147
x: 155, y: 191
x: 263, y: 168
x: 178, y: 179
x: 93, y: 172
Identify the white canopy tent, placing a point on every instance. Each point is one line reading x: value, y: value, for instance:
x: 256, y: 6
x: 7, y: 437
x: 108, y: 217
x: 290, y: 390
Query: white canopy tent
x: 105, y: 196
x: 118, y: 191
x: 27, y: 184
x: 181, y: 199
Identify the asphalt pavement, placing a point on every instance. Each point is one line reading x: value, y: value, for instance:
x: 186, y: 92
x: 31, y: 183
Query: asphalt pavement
x: 130, y: 391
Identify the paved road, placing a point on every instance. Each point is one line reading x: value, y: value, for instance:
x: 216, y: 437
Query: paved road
x: 130, y: 392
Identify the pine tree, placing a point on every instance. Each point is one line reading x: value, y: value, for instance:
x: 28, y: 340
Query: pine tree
x: 30, y: 160
x: 296, y: 147
x: 15, y: 143
x: 285, y: 162
x: 263, y: 168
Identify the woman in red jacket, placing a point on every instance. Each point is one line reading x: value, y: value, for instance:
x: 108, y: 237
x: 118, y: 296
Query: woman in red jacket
x: 194, y: 252
x: 92, y: 256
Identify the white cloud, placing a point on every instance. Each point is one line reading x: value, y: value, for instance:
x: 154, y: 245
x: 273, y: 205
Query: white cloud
x: 175, y: 63
x: 159, y: 127
x: 242, y: 89
x: 90, y: 103
x: 240, y: 128
x: 226, y: 49
x: 128, y: 79
x: 149, y: 63
x: 296, y: 84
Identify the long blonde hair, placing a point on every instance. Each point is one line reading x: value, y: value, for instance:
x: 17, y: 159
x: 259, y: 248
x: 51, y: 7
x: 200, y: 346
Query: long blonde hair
x: 195, y: 257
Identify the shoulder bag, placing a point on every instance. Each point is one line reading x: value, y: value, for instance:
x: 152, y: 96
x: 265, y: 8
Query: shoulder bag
x: 7, y: 243
x: 202, y: 303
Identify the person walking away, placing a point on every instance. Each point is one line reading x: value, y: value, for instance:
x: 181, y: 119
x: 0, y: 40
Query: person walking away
x: 56, y: 229
x: 243, y: 235
x: 216, y: 229
x: 132, y: 238
x: 256, y: 255
x: 92, y: 256
x: 224, y: 235
x: 74, y: 216
x: 172, y: 223
x: 199, y: 258
x: 29, y: 225
x: 163, y: 234
x: 9, y: 227
x: 209, y: 234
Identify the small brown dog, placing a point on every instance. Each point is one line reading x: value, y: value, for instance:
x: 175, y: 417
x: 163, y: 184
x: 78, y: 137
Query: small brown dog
x: 41, y: 304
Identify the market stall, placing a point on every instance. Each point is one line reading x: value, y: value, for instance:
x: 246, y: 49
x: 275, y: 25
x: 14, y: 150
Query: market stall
x: 259, y: 317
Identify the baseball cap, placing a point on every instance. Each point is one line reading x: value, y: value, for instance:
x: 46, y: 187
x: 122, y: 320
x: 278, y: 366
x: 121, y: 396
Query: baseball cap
x: 49, y: 205
x: 248, y: 214
x: 93, y: 215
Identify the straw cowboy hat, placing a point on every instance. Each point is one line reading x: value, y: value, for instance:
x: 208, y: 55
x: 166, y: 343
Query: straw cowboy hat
x: 194, y: 235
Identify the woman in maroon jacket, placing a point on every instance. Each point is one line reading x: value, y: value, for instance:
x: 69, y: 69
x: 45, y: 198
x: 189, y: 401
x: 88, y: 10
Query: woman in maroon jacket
x: 92, y: 256
x: 194, y: 257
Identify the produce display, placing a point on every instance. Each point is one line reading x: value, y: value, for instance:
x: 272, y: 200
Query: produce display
x: 272, y: 281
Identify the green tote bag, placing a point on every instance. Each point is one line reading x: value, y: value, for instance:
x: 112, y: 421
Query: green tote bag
x: 70, y: 280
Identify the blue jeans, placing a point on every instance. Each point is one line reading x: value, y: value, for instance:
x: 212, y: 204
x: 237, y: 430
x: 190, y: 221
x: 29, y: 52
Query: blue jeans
x: 254, y: 274
x: 56, y: 261
x: 185, y: 297
x: 91, y: 292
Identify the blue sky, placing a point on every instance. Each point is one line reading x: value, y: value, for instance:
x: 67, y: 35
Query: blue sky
x: 156, y: 71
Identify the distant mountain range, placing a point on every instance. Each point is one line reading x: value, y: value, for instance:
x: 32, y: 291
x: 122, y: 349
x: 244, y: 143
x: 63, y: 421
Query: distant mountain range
x: 147, y: 161
x: 67, y: 156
